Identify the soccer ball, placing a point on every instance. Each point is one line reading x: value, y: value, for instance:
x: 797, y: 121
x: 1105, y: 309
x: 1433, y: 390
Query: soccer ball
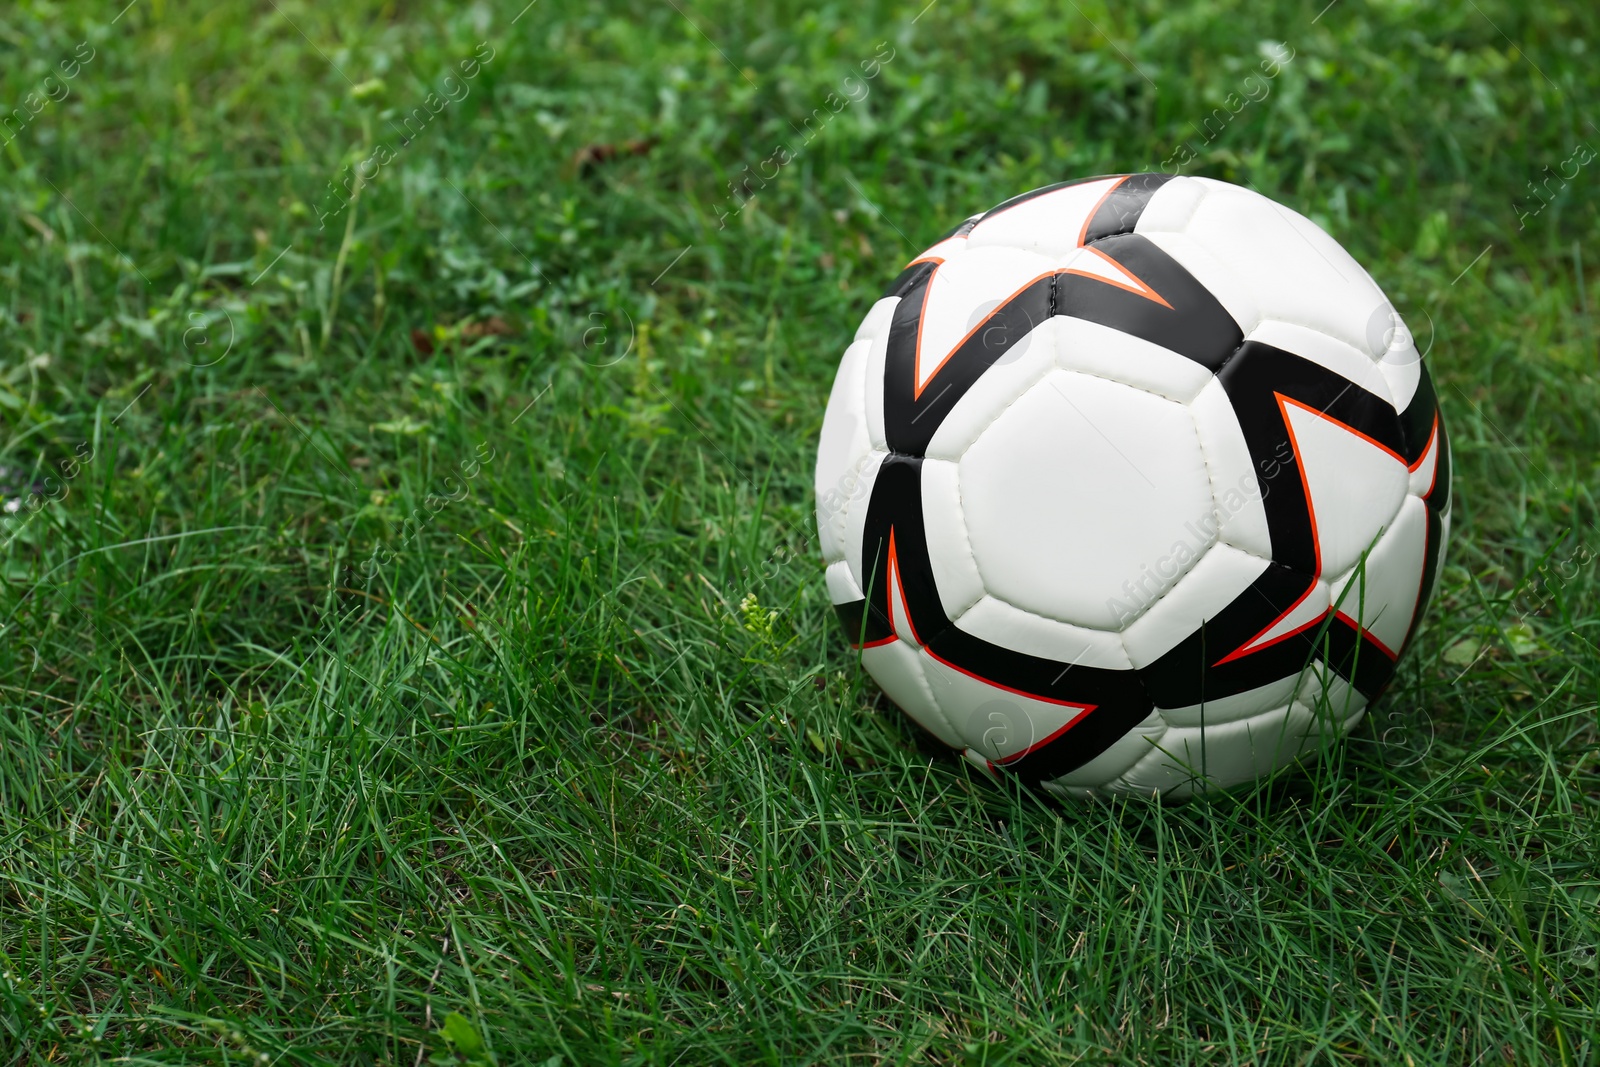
x: 1133, y: 484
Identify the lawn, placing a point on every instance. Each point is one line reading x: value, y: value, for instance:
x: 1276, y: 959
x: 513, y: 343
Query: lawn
x: 413, y: 643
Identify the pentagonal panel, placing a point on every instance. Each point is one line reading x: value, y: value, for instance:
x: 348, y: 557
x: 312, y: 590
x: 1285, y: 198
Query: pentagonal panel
x: 1080, y: 486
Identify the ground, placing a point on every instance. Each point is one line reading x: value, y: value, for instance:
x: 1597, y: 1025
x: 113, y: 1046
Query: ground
x: 413, y: 641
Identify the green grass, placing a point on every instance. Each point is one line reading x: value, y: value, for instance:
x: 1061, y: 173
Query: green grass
x: 579, y: 756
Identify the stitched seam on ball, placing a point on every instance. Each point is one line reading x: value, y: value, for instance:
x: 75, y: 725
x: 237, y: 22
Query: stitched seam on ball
x: 888, y: 317
x: 1031, y: 613
x: 1198, y: 556
x: 1211, y: 490
x: 1208, y: 717
x: 1389, y: 522
x: 858, y: 386
x: 1122, y: 638
x: 1384, y: 531
x: 842, y: 517
x: 966, y: 539
x: 1211, y: 479
x: 1181, y: 227
x: 981, y: 430
x: 1252, y: 553
x: 927, y: 689
x: 1384, y: 528
x: 1237, y: 349
x: 1127, y: 764
x: 1155, y: 754
x: 1205, y: 191
x: 983, y: 582
x: 1352, y: 345
x: 1218, y: 265
x: 848, y: 574
x: 1122, y: 382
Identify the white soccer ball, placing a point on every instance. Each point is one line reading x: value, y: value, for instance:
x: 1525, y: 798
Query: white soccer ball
x: 1133, y: 484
